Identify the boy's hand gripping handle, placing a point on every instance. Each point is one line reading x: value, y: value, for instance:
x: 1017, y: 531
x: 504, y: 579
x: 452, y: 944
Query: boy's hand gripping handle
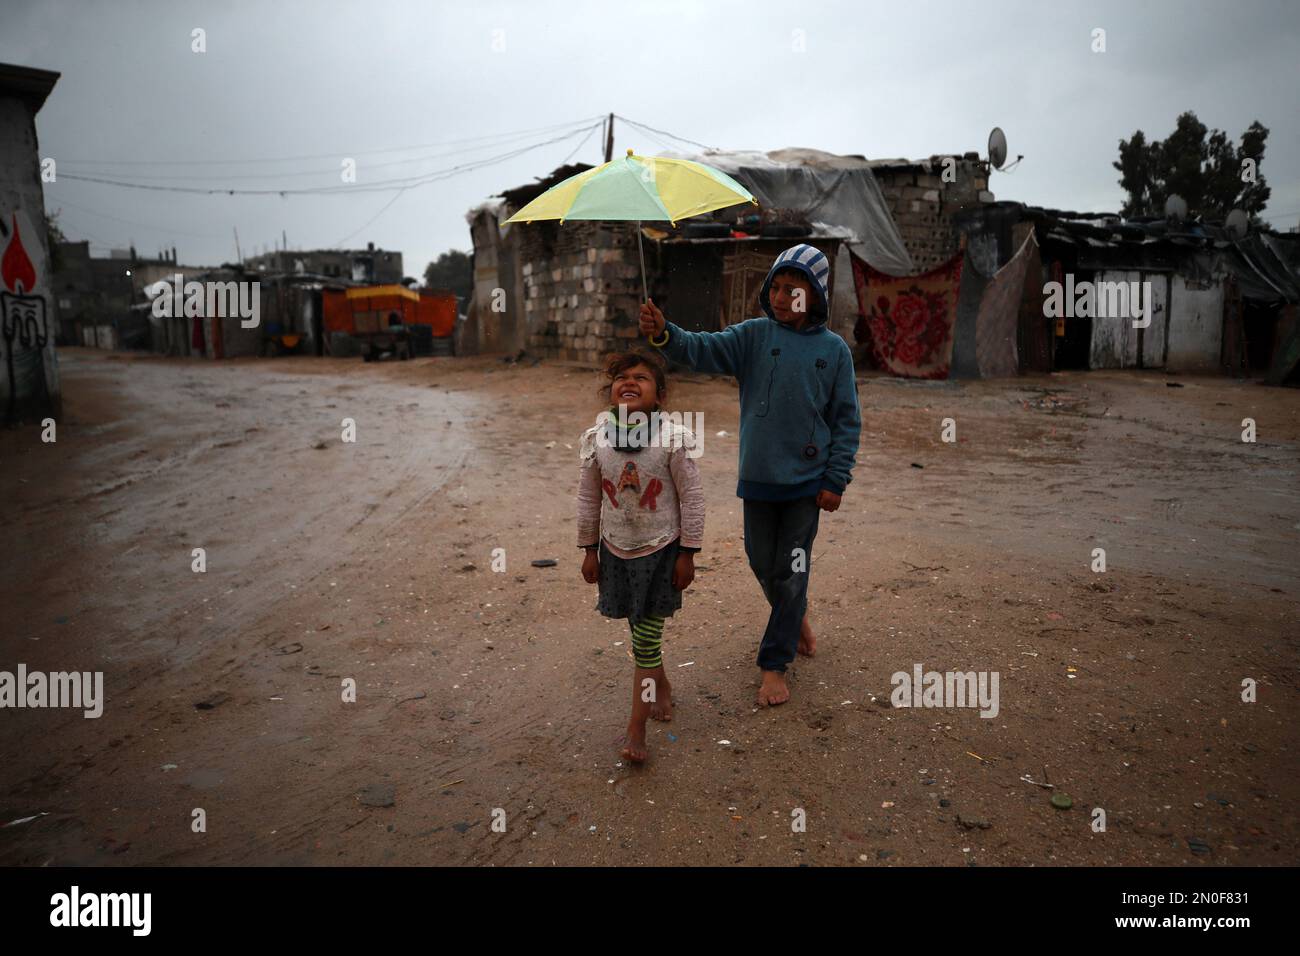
x: 653, y: 322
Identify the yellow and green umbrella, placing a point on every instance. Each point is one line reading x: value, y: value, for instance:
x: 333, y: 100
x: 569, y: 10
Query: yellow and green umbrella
x: 637, y: 188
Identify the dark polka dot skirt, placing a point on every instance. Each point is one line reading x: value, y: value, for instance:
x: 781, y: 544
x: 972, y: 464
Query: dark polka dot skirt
x: 637, y: 587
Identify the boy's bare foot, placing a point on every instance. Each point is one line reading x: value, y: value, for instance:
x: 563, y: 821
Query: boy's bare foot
x: 635, y: 750
x: 662, y: 706
x: 774, y: 690
x: 807, y: 641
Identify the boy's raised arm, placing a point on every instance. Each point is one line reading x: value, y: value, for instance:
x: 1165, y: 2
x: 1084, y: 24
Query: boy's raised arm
x: 722, y: 353
x: 845, y: 420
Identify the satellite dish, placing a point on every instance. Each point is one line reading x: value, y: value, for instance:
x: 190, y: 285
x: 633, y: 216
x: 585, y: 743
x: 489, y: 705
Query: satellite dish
x: 1176, y: 208
x: 1237, y: 223
x: 997, y: 147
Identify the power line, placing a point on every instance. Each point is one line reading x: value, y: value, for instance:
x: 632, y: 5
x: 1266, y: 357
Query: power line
x: 400, y: 192
x: 151, y: 178
x: 349, y: 189
x: 166, y: 230
x: 661, y: 143
x: 651, y: 129
x: 369, y: 222
x: 581, y: 143
x: 363, y: 152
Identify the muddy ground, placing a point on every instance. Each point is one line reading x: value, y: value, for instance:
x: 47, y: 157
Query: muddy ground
x: 479, y: 690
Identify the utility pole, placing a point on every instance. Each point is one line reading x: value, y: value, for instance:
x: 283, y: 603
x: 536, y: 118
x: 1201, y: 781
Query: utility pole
x: 609, y: 138
x: 239, y: 256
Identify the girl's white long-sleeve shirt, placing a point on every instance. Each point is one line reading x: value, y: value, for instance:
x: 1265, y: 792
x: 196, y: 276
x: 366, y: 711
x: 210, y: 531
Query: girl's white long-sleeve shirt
x: 640, y: 501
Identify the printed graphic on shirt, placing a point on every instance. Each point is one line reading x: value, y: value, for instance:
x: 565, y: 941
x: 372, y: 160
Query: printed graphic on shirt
x: 629, y: 478
x: 651, y: 492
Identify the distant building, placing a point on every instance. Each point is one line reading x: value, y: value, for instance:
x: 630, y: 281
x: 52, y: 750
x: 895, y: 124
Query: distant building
x: 96, y: 294
x: 368, y: 266
x: 29, y: 373
x: 1217, y: 301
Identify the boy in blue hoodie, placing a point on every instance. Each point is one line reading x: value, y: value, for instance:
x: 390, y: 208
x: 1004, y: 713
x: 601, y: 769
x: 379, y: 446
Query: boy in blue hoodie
x: 799, y: 431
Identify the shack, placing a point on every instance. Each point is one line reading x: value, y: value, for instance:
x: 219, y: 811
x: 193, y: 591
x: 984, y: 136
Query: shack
x: 572, y: 292
x: 1219, y: 301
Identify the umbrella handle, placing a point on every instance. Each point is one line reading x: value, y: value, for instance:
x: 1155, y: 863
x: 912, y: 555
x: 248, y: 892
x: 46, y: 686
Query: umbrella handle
x: 640, y: 247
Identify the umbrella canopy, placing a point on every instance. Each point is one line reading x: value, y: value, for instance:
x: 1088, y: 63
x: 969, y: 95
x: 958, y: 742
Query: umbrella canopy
x: 640, y: 188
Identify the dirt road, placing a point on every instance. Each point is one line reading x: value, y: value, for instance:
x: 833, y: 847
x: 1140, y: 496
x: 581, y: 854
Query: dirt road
x: 477, y: 689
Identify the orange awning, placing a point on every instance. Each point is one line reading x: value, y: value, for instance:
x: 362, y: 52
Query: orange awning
x: 370, y: 291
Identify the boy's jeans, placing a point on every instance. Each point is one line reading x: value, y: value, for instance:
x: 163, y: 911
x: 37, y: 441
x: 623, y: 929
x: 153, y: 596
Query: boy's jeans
x: 773, y: 530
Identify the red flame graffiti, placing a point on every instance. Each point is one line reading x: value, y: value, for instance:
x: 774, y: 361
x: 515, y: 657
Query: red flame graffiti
x: 15, y: 268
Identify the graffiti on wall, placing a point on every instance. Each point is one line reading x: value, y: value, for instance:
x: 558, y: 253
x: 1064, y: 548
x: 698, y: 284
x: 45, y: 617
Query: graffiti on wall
x: 23, y: 320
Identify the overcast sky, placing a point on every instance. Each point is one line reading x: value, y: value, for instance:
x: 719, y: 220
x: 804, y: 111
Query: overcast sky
x: 287, y: 90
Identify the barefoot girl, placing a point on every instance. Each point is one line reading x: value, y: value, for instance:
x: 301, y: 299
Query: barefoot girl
x: 641, y: 521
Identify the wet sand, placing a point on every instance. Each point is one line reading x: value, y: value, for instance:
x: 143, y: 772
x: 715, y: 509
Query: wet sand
x: 479, y: 690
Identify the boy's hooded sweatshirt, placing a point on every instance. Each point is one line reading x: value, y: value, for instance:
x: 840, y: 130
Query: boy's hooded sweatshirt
x: 799, y: 418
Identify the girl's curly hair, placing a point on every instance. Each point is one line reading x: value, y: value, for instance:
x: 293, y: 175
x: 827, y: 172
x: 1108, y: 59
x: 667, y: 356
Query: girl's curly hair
x: 620, y: 362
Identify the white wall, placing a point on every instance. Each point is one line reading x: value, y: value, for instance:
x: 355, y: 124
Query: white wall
x: 1195, y: 326
x: 1114, y: 340
x: 1153, y: 336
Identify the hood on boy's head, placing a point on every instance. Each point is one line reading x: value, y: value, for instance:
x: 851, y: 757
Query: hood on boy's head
x: 815, y: 267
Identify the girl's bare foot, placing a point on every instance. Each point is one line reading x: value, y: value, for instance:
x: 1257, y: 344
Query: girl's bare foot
x: 635, y: 751
x: 774, y: 690
x: 635, y: 748
x: 662, y: 707
x: 807, y: 642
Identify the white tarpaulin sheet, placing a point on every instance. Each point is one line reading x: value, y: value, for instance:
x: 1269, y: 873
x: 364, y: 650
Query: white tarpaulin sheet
x: 830, y: 190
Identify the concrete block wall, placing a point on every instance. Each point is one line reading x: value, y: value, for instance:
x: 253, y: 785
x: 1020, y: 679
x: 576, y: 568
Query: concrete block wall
x: 923, y: 204
x: 582, y: 290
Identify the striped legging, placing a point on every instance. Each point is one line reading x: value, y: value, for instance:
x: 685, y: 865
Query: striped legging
x: 647, y: 640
